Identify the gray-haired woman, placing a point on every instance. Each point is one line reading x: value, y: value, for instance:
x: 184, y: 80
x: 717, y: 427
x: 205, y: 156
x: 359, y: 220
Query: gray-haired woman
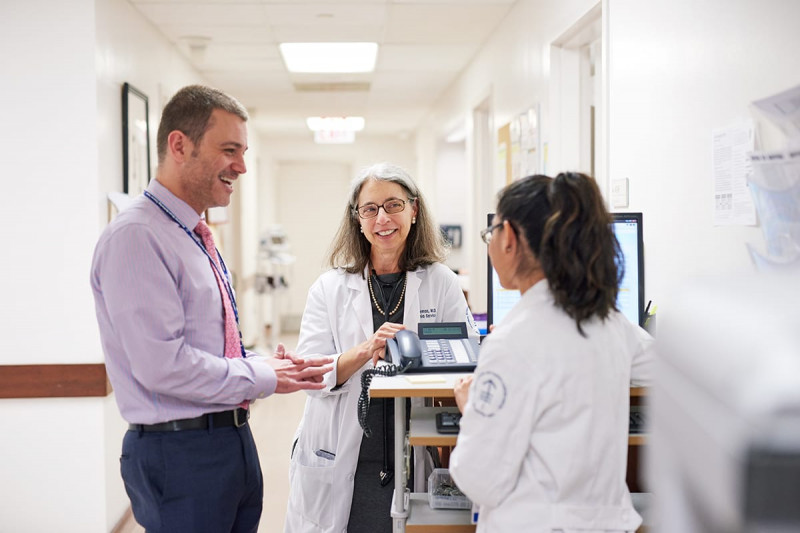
x: 387, y: 275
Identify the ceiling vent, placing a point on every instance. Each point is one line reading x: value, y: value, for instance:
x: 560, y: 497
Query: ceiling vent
x: 344, y: 86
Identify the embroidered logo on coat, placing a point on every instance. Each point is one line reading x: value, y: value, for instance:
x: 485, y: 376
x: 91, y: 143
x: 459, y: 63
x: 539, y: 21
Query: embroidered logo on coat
x: 488, y: 393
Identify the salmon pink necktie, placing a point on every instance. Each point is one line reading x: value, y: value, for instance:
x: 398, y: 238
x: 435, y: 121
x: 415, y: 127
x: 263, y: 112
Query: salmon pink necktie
x: 232, y: 340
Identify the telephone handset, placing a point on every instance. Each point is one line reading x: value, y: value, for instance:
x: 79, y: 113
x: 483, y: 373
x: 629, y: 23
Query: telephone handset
x: 439, y: 347
x: 405, y: 349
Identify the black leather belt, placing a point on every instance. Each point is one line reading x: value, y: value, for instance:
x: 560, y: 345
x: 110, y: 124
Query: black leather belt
x: 236, y: 417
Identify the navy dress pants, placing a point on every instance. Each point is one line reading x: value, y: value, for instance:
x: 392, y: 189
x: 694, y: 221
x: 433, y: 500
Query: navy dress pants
x: 198, y: 481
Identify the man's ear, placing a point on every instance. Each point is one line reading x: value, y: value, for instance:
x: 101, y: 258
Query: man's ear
x: 179, y: 146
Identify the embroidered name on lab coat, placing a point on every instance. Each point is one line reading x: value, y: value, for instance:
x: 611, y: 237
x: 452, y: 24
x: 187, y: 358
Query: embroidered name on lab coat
x: 427, y: 313
x: 488, y: 394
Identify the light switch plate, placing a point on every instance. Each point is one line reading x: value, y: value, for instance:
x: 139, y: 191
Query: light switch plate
x: 619, y: 192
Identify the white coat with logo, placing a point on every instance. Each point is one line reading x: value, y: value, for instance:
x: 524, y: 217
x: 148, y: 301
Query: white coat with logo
x: 338, y: 316
x: 543, y: 442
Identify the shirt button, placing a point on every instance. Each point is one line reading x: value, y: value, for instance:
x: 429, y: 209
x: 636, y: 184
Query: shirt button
x: 261, y: 395
x: 351, y: 477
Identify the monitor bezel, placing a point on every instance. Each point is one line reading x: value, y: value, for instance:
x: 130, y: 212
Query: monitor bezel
x: 637, y: 216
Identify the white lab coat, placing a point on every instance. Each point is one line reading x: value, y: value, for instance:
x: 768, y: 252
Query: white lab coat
x: 338, y: 316
x: 544, y: 437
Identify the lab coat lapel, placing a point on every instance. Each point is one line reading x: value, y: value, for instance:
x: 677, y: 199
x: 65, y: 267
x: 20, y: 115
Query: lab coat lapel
x: 412, y: 306
x: 361, y: 304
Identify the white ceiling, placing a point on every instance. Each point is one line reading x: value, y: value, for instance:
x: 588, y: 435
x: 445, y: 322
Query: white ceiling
x: 423, y: 46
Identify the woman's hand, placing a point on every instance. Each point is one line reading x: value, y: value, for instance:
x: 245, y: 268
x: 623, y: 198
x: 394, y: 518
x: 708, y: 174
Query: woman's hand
x: 461, y: 391
x: 354, y: 358
x: 376, y: 345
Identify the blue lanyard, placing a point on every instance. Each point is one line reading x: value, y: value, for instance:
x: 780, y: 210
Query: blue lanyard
x: 223, y: 275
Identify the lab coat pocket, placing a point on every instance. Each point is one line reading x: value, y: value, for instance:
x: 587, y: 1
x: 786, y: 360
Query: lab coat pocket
x: 311, y: 493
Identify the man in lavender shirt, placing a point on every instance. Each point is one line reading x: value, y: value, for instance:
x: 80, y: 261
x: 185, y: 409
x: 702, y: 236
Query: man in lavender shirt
x: 188, y: 461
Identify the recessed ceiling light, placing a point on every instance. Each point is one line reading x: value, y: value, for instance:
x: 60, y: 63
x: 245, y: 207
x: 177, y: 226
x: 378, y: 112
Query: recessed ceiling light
x: 335, y: 123
x: 329, y: 57
x: 335, y: 130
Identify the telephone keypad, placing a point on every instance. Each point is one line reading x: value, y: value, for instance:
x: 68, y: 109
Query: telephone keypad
x: 439, y: 352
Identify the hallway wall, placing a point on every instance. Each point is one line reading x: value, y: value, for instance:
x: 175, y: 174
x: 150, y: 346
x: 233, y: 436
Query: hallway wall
x: 511, y: 72
x: 61, y: 147
x: 676, y: 71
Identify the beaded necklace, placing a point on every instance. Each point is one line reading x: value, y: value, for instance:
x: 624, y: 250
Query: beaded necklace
x: 375, y: 300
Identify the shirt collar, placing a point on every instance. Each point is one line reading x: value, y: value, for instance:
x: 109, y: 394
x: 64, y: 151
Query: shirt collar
x: 179, y: 208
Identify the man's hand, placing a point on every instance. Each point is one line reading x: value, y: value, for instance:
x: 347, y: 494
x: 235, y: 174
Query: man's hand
x: 298, y: 373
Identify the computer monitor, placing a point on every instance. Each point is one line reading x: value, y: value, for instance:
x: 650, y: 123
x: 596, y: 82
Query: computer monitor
x: 630, y: 300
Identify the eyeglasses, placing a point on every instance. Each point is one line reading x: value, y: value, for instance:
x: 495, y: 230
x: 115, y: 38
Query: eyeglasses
x: 389, y: 206
x: 486, y: 234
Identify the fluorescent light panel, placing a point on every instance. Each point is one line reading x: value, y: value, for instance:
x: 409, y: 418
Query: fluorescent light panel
x: 335, y: 123
x: 329, y: 57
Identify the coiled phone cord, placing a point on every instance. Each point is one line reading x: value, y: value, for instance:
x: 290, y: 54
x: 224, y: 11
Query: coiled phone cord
x: 363, y: 398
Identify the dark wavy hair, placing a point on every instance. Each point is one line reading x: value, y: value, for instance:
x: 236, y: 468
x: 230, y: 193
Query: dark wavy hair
x: 568, y: 229
x: 425, y: 244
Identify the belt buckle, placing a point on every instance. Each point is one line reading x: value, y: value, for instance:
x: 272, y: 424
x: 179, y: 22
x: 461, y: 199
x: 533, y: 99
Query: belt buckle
x: 239, y: 423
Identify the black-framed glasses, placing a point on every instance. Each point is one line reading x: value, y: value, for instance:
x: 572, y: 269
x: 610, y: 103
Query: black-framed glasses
x: 391, y: 207
x: 486, y: 234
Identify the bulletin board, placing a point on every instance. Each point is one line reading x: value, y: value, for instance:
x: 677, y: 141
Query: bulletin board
x: 518, y: 151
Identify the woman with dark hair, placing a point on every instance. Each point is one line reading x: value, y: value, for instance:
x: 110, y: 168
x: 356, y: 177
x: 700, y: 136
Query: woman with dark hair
x: 387, y: 276
x: 544, y: 434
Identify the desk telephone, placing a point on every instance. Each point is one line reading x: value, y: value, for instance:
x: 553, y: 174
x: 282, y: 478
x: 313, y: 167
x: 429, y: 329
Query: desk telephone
x: 438, y: 347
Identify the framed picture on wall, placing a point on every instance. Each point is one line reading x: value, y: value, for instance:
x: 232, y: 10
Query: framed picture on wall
x: 452, y: 233
x: 135, y: 140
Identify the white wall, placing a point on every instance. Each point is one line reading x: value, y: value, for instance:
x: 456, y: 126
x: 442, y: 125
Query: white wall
x: 512, y: 70
x: 61, y: 148
x: 678, y: 70
x: 450, y: 188
x: 49, y: 159
x: 311, y: 199
x: 51, y: 453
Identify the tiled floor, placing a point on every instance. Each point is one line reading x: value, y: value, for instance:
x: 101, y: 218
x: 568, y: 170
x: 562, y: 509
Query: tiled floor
x: 274, y: 421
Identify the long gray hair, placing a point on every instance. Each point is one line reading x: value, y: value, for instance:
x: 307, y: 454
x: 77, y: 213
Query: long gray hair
x: 425, y: 243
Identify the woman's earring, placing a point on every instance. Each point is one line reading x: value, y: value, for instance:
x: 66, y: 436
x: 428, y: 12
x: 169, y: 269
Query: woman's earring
x: 361, y: 228
x: 414, y: 220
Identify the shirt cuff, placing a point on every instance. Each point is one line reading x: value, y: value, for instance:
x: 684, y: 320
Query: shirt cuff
x: 266, y: 381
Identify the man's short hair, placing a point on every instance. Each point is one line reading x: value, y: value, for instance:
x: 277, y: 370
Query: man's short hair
x: 189, y: 111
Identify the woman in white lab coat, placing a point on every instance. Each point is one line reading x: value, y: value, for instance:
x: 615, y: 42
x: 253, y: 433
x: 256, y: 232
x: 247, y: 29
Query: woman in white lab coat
x: 544, y: 434
x: 387, y: 276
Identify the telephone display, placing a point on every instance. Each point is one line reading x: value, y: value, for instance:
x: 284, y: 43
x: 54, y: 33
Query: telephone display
x: 438, y: 347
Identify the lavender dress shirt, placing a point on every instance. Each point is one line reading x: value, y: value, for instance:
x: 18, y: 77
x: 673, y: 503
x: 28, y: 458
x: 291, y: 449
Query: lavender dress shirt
x: 161, y: 319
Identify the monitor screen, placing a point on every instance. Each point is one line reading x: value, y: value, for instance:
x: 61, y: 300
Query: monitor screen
x: 630, y: 300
